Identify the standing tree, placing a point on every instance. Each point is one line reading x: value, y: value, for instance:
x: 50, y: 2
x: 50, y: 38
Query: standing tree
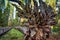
x: 40, y: 17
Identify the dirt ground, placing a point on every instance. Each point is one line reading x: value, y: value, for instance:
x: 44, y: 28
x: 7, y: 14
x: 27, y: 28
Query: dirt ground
x: 54, y: 37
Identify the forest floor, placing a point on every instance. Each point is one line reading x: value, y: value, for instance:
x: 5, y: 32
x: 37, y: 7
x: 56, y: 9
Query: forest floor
x: 54, y: 37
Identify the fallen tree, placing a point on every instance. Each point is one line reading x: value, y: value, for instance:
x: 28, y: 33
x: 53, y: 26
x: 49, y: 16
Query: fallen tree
x: 40, y: 18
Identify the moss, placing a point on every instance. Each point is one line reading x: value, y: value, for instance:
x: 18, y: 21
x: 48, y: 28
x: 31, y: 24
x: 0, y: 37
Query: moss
x: 13, y: 34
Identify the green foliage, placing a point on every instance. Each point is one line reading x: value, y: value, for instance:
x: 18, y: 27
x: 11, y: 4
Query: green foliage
x: 2, y: 4
x: 52, y: 3
x: 12, y: 34
x: 4, y: 12
x: 56, y: 28
x: 4, y: 16
x: 15, y: 22
x: 15, y: 32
